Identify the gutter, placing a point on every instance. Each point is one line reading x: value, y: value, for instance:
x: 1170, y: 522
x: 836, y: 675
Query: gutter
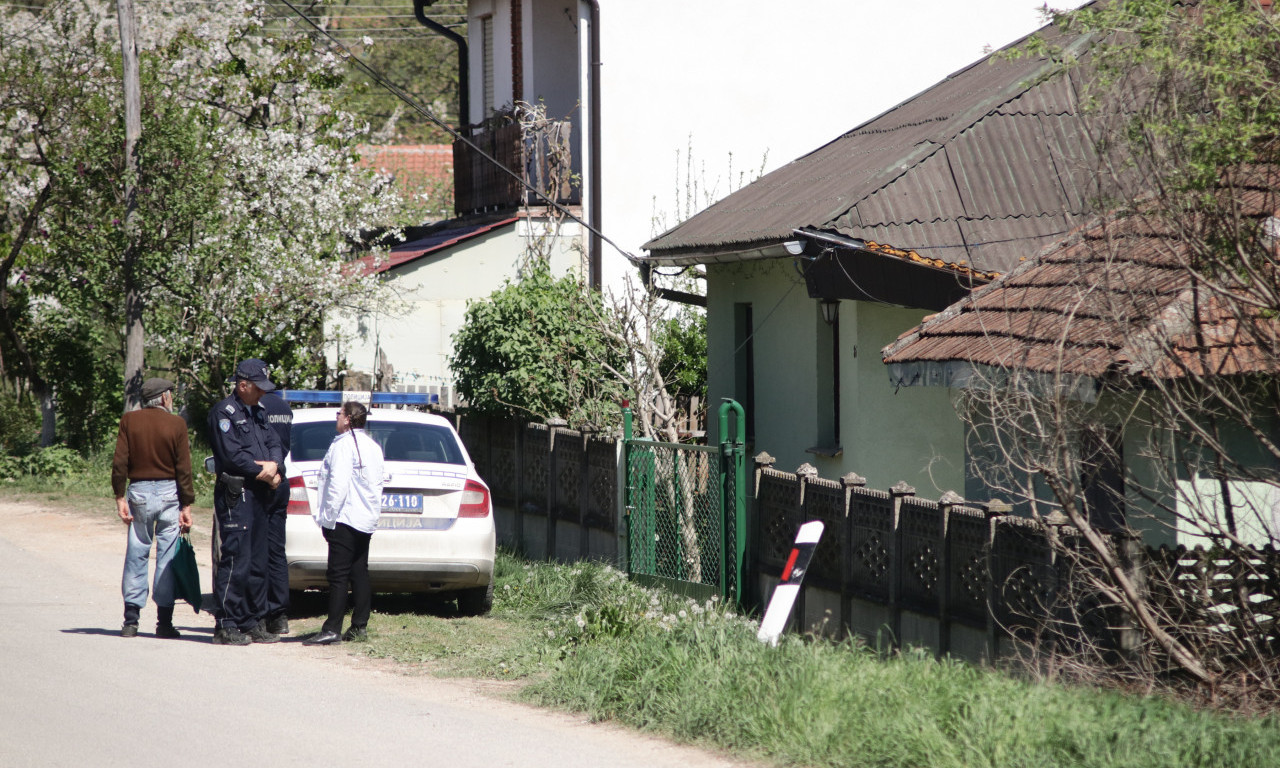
x: 464, y: 71
x: 595, y: 278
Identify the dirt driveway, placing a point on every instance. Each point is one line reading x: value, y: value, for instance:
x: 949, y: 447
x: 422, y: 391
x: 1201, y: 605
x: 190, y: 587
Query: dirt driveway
x: 74, y: 693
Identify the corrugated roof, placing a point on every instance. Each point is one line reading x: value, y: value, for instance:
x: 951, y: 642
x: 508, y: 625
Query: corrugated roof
x: 1117, y: 297
x: 990, y: 155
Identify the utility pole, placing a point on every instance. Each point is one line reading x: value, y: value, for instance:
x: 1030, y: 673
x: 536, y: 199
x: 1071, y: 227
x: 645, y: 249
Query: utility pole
x: 133, y: 300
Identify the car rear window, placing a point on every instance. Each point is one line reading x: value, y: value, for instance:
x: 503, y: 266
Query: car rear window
x: 400, y: 441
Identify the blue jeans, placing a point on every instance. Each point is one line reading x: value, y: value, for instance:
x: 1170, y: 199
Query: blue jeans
x: 154, y: 505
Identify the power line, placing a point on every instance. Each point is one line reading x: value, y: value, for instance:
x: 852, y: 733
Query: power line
x: 380, y: 80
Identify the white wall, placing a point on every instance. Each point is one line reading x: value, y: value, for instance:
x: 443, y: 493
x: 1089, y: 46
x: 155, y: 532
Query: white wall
x: 913, y: 434
x: 433, y: 292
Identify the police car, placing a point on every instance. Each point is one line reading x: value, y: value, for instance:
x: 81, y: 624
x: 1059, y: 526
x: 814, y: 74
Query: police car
x: 435, y: 531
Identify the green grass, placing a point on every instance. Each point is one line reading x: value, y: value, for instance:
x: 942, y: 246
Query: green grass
x: 583, y: 638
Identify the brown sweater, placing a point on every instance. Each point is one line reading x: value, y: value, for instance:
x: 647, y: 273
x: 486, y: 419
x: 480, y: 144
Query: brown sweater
x: 152, y: 445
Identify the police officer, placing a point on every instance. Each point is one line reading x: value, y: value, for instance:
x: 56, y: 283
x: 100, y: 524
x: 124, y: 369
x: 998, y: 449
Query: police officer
x: 276, y: 584
x: 247, y: 455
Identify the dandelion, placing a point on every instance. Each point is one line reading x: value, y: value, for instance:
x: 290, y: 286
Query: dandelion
x: 683, y: 615
x: 551, y: 633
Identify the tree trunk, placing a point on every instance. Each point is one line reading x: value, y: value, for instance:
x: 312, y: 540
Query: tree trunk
x: 134, y: 332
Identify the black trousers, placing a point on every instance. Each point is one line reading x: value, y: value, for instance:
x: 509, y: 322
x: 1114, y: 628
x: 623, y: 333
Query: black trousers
x: 275, y: 588
x: 348, y: 568
x: 239, y: 581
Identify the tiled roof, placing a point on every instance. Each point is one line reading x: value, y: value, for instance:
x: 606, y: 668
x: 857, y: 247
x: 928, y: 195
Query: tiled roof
x: 1117, y: 297
x: 959, y: 267
x: 988, y: 165
x: 414, y: 166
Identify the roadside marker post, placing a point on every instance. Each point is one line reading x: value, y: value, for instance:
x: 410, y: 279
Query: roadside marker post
x: 784, y: 595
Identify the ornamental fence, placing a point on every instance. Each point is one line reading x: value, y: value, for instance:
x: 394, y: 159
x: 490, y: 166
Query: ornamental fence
x: 958, y: 577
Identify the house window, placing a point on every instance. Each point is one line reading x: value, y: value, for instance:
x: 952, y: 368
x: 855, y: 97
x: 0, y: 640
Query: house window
x: 486, y: 53
x: 744, y: 366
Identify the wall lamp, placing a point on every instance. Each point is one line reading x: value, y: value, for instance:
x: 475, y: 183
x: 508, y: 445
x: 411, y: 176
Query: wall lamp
x: 830, y: 310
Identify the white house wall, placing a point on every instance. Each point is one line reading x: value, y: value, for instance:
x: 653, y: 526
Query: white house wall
x: 433, y: 291
x: 912, y: 435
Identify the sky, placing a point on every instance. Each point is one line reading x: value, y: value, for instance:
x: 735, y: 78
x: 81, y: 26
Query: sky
x: 757, y: 83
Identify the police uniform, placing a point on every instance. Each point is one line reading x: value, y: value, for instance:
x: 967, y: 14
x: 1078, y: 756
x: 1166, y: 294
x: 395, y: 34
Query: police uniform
x: 239, y: 435
x: 276, y: 585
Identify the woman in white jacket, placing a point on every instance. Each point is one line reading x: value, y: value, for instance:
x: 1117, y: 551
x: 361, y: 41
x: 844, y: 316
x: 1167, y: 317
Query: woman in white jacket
x: 350, y: 501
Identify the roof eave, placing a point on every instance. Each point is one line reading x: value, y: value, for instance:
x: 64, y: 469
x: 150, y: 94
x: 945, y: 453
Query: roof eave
x: 729, y: 254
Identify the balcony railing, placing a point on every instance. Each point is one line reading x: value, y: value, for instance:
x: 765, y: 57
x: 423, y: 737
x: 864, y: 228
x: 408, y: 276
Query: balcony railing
x: 542, y: 160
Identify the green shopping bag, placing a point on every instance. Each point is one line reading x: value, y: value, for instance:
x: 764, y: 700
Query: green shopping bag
x: 186, y: 574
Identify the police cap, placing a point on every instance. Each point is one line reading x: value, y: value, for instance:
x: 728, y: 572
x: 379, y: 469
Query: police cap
x: 254, y: 371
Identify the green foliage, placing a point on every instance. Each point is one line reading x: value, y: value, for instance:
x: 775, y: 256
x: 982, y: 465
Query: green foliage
x: 51, y: 462
x: 19, y: 426
x: 683, y: 340
x: 529, y: 348
x: 422, y: 63
x: 81, y: 357
x: 1193, y: 86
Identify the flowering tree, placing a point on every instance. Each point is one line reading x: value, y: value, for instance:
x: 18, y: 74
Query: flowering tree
x: 250, y: 202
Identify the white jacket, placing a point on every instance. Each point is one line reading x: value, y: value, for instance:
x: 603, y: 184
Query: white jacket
x: 350, y: 488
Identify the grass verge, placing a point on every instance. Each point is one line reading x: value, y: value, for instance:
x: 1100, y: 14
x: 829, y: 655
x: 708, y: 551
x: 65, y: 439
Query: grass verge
x: 583, y: 638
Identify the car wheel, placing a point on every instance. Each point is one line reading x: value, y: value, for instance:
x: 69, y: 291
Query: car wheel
x: 476, y: 601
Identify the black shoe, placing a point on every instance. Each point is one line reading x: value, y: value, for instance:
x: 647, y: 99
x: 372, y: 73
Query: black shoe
x: 355, y: 634
x: 323, y: 637
x: 278, y: 626
x: 230, y: 636
x: 129, y: 630
x: 259, y: 634
x: 167, y: 631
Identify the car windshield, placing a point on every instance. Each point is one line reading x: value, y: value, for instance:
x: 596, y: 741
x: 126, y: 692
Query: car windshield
x: 400, y: 441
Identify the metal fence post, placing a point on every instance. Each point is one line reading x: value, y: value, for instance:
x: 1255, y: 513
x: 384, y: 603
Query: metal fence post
x: 624, y: 551
x: 733, y: 502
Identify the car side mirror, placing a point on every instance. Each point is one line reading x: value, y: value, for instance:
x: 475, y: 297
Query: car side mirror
x: 209, y: 465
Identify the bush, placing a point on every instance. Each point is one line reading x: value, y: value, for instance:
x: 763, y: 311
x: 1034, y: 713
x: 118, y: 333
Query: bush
x: 53, y: 461
x: 532, y: 348
x: 19, y: 425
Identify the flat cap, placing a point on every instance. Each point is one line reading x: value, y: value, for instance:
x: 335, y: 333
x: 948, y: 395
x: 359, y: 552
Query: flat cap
x: 152, y: 388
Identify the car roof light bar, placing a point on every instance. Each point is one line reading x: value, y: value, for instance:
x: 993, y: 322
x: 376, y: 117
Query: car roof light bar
x: 359, y: 396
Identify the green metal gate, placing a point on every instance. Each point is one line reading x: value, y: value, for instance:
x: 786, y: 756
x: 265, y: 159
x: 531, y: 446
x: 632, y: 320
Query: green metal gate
x: 686, y: 511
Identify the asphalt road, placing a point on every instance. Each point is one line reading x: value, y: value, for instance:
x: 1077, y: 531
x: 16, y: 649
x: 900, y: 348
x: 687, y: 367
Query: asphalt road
x: 74, y: 693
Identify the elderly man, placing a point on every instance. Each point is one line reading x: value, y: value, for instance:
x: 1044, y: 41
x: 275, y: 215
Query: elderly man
x: 153, y: 459
x: 247, y: 456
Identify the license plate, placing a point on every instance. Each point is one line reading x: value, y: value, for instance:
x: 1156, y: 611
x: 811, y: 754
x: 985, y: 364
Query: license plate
x: 410, y: 503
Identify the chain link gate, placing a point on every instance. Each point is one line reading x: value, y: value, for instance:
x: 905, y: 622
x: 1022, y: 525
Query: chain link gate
x: 686, y: 511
